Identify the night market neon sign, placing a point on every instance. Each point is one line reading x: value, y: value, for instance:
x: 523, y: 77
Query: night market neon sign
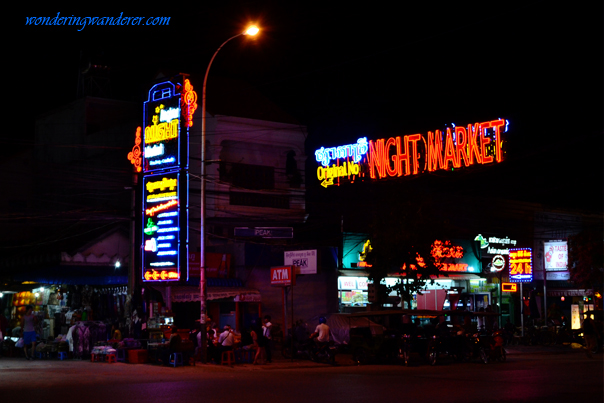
x: 456, y: 147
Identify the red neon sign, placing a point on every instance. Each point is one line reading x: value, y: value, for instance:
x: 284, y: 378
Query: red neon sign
x: 189, y: 103
x: 151, y: 211
x: 509, y: 287
x: 135, y: 155
x: 164, y: 275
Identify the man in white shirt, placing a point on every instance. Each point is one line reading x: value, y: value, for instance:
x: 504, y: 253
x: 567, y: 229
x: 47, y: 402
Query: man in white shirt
x: 321, y: 331
x: 226, y: 340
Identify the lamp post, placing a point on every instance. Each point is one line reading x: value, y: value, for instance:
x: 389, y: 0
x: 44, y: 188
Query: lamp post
x: 251, y: 31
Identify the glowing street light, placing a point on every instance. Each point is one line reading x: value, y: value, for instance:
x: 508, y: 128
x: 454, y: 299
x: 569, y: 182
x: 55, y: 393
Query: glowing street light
x: 250, y: 31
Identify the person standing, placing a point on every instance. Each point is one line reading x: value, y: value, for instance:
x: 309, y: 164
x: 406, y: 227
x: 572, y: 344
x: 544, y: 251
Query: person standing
x: 590, y: 334
x: 28, y: 331
x: 267, y: 332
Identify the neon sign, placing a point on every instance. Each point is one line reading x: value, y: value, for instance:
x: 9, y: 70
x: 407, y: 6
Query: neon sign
x: 164, y: 241
x: 454, y: 148
x: 189, y: 103
x: 135, y: 156
x: 509, y: 287
x: 165, y: 133
x: 521, y: 265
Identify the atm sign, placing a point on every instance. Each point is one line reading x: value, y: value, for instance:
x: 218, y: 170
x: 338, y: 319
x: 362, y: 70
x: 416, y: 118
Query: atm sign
x: 283, y: 276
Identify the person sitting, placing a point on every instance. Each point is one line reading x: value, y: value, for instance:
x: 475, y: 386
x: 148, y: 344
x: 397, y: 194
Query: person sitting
x: 321, y: 333
x: 226, y: 341
x: 174, y: 346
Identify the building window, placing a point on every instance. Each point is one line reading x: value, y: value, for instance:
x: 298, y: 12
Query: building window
x: 258, y: 200
x: 247, y: 176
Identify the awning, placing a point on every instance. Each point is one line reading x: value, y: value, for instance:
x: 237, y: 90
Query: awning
x: 75, y: 275
x: 191, y: 294
x: 561, y: 292
x: 459, y: 276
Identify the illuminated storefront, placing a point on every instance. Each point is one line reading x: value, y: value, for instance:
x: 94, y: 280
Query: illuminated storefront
x: 461, y: 282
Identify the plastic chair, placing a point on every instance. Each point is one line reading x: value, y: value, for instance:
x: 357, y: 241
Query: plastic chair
x: 110, y: 358
x: 176, y: 359
x: 62, y: 355
x: 227, y: 358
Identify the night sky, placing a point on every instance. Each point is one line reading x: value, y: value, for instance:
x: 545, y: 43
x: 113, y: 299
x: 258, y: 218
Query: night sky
x: 349, y: 69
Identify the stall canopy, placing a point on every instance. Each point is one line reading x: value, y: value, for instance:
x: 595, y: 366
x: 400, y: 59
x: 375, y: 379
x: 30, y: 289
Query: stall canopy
x: 75, y: 275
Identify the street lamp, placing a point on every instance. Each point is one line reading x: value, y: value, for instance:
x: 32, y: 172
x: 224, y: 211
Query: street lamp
x: 250, y: 31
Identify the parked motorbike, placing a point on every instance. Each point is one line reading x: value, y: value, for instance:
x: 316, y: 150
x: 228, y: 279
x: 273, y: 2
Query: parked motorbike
x: 489, y: 347
x: 452, y: 344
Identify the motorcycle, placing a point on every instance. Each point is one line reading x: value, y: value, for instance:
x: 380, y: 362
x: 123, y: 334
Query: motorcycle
x: 489, y: 347
x: 322, y: 352
x: 452, y: 344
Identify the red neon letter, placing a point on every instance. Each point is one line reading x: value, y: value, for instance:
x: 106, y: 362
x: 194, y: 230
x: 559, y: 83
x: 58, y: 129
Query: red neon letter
x: 484, y: 141
x: 435, y: 145
x: 473, y: 149
x: 462, y: 145
x: 413, y: 139
x: 451, y: 153
x: 391, y: 170
x: 377, y: 158
x: 497, y: 124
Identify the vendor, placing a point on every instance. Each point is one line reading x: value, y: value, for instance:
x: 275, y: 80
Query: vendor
x: 116, y: 334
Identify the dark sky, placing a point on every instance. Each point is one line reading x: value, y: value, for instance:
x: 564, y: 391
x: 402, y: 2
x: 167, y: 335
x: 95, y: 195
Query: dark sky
x: 371, y: 69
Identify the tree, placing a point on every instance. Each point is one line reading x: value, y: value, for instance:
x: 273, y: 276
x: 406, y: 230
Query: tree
x: 585, y: 259
x: 402, y: 234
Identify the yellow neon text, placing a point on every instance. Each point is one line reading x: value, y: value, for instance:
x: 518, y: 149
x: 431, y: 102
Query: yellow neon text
x: 165, y: 183
x: 162, y: 131
x: 348, y: 168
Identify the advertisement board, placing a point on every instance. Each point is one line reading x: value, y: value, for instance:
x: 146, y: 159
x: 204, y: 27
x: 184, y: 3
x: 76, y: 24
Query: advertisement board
x: 556, y: 255
x: 165, y: 232
x: 521, y: 265
x: 304, y: 260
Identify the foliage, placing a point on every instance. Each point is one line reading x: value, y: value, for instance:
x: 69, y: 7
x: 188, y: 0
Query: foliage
x: 586, y: 259
x: 402, y: 233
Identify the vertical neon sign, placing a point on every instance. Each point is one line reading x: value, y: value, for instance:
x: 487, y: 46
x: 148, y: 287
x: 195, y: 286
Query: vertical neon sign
x: 167, y: 117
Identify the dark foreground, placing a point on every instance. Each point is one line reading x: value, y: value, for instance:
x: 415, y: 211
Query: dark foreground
x: 550, y: 375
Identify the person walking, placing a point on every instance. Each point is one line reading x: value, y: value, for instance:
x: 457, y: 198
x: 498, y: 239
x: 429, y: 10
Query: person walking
x: 28, y: 331
x: 267, y: 329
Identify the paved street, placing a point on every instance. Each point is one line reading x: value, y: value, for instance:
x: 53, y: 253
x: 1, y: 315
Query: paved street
x: 531, y: 375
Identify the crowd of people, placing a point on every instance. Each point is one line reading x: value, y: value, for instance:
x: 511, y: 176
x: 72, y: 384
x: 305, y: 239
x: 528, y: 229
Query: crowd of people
x: 257, y: 338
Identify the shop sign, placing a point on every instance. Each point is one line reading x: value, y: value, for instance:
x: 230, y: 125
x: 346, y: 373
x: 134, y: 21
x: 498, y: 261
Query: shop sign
x: 552, y: 275
x: 304, y: 260
x: 509, y: 287
x: 498, y: 263
x: 165, y: 231
x: 494, y: 245
x: 521, y: 265
x: 556, y: 255
x: 252, y: 297
x: 264, y: 232
x: 456, y: 147
x: 283, y: 276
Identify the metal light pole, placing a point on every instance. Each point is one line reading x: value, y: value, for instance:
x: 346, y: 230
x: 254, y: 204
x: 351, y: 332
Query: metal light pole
x: 253, y: 30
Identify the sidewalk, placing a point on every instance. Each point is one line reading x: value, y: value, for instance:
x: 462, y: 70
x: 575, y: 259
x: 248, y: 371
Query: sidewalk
x: 279, y: 363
